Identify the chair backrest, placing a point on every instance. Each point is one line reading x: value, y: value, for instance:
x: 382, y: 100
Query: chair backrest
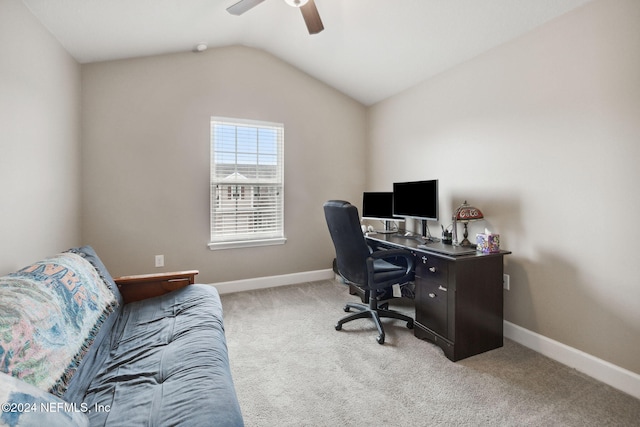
x: 351, y: 248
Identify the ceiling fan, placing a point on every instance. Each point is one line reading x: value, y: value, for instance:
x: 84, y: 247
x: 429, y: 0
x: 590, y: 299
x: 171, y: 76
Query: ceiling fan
x: 307, y: 7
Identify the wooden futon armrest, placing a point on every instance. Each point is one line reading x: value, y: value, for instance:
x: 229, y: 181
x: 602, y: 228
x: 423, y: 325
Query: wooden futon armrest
x: 142, y: 286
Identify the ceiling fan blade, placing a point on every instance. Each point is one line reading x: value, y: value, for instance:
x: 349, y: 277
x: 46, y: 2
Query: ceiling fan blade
x: 242, y: 6
x: 312, y: 17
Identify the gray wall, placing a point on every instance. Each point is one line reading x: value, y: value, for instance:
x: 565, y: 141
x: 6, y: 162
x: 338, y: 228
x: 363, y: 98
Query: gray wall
x: 146, y: 159
x: 39, y: 141
x: 542, y: 134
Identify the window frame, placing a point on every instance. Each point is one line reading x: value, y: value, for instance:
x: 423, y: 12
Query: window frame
x: 268, y: 175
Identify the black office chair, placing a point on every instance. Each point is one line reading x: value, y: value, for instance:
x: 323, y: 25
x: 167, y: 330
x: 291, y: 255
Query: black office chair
x: 374, y: 272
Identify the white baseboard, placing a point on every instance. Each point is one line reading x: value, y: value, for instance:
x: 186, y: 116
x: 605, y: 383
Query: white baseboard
x: 273, y: 281
x: 601, y: 370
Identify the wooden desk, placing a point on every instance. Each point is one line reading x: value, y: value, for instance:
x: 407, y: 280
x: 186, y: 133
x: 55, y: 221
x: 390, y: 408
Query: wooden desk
x: 458, y: 299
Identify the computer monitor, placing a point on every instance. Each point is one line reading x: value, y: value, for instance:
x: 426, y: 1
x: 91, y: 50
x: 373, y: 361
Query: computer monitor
x: 379, y: 206
x: 416, y: 199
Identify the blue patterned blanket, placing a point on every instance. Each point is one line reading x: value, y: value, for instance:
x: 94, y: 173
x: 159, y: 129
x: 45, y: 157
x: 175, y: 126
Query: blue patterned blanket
x: 50, y: 313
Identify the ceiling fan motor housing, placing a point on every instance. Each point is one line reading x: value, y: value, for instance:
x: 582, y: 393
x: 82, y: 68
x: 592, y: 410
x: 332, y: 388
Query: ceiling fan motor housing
x: 307, y: 7
x: 296, y: 3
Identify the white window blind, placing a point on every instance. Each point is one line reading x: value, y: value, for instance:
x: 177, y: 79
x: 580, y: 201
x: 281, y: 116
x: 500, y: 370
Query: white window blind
x: 247, y: 183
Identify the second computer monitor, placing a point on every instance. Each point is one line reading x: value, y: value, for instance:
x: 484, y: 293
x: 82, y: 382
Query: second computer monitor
x: 416, y: 199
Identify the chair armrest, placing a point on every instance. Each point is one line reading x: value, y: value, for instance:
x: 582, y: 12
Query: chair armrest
x: 396, y: 253
x: 143, y: 286
x: 389, y: 255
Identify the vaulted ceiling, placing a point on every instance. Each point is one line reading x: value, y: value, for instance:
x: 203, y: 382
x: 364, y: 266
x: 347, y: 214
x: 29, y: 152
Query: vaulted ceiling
x: 369, y: 49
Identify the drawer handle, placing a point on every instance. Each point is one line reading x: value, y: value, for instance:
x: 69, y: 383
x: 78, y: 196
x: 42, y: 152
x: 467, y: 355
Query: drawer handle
x: 442, y: 288
x: 432, y: 295
x: 432, y: 269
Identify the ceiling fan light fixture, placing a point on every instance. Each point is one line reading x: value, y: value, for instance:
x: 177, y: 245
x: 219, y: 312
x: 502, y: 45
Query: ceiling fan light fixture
x: 296, y: 3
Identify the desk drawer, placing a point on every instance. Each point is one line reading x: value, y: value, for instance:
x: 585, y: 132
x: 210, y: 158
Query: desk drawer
x: 431, y: 306
x: 432, y: 268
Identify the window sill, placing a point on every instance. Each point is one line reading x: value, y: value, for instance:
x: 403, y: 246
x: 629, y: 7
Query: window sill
x: 214, y: 246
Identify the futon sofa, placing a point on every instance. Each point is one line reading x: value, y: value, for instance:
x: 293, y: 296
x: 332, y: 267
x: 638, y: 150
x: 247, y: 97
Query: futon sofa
x: 74, y: 351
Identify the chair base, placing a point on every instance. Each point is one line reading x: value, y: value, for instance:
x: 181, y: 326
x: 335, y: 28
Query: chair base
x: 374, y: 312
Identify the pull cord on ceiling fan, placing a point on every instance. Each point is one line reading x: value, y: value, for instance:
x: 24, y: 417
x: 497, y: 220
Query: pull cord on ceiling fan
x: 307, y: 7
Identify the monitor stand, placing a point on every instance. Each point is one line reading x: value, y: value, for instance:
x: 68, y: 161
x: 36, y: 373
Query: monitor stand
x: 426, y: 233
x: 388, y: 228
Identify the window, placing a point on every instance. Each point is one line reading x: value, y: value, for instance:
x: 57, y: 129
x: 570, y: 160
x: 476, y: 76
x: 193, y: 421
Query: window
x: 247, y: 183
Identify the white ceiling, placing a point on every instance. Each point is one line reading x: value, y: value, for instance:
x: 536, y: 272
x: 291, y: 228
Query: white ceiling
x: 370, y: 49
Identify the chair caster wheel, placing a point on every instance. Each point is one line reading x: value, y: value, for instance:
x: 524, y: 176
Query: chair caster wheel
x: 380, y: 339
x: 410, y: 325
x: 346, y: 309
x: 338, y: 327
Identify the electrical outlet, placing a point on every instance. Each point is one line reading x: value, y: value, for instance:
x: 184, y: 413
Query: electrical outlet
x: 506, y: 281
x: 159, y: 260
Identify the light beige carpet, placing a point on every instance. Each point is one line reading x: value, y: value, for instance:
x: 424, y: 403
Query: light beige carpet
x: 292, y: 368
